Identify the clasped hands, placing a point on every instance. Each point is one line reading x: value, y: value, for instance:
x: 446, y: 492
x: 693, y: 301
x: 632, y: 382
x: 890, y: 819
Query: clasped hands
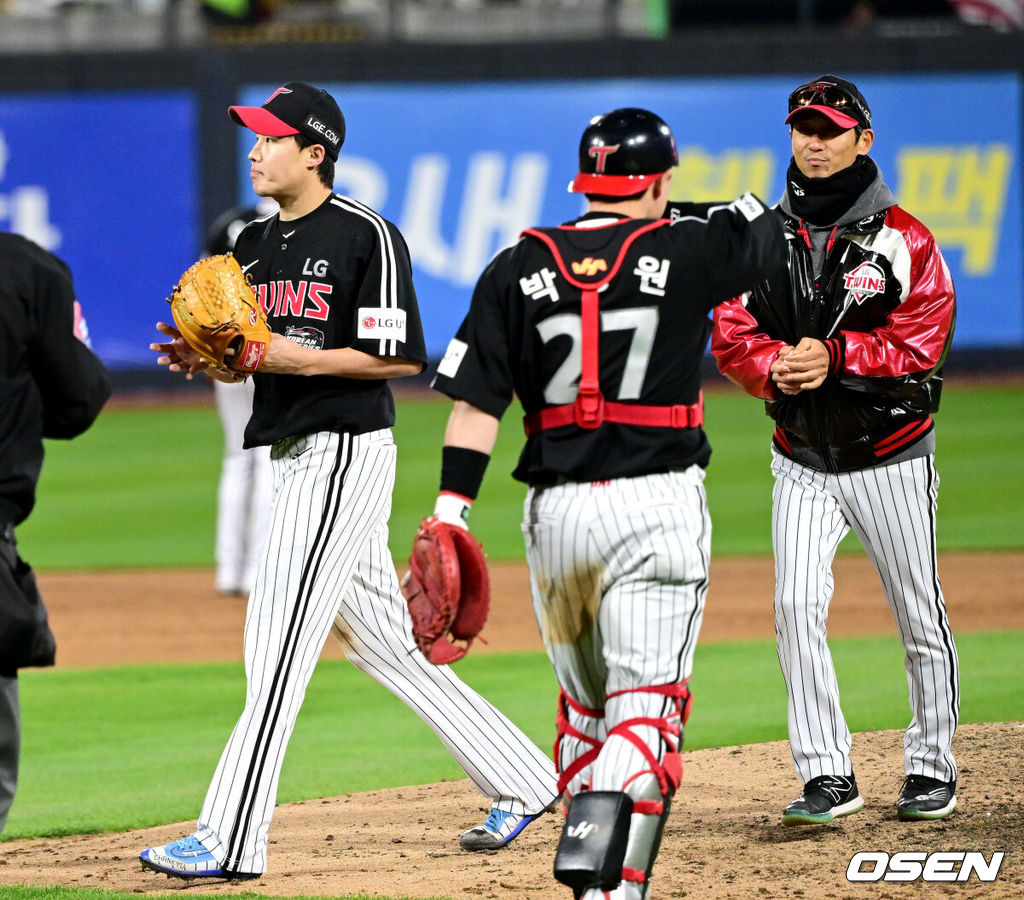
x: 800, y: 368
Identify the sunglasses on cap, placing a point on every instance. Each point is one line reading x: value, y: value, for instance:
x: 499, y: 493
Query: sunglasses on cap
x: 824, y: 93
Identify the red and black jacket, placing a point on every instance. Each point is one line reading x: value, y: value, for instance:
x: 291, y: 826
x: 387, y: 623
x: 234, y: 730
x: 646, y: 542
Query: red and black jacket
x: 884, y: 305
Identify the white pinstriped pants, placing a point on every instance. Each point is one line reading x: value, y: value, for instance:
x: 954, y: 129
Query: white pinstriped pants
x: 328, y: 566
x: 619, y: 574
x: 892, y: 510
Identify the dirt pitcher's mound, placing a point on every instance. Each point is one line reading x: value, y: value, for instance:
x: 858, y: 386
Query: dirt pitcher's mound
x: 723, y: 838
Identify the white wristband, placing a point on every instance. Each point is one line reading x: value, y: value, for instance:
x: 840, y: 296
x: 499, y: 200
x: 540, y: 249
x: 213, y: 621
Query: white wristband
x: 453, y: 509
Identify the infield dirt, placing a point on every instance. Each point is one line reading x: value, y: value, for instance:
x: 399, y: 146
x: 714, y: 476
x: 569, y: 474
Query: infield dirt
x: 723, y: 839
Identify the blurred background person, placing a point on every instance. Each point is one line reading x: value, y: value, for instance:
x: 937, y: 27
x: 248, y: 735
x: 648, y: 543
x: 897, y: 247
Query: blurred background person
x: 243, y: 493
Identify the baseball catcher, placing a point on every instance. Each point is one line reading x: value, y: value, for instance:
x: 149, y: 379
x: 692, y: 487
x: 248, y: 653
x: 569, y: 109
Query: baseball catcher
x: 218, y: 315
x: 447, y: 589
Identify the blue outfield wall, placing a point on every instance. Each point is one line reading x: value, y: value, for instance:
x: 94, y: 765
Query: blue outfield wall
x: 123, y: 212
x: 115, y: 196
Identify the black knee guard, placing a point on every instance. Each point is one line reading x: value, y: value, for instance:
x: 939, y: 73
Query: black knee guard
x: 593, y: 844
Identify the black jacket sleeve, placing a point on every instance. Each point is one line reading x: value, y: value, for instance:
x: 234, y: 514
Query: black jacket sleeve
x: 73, y: 384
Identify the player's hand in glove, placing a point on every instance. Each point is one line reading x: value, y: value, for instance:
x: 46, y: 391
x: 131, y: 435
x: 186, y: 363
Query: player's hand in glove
x: 447, y: 589
x: 176, y: 353
x: 217, y: 314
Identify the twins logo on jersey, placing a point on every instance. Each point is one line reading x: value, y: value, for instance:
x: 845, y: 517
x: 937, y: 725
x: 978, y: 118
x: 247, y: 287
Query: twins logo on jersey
x: 308, y: 299
x: 864, y: 281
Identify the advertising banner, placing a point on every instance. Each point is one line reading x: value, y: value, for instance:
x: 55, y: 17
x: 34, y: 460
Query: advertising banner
x: 463, y: 168
x: 107, y: 182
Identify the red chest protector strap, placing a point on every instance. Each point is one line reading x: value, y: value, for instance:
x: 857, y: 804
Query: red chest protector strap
x: 590, y: 410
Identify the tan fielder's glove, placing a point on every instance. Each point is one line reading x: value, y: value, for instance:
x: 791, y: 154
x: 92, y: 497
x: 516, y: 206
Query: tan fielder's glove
x: 448, y: 590
x: 218, y: 315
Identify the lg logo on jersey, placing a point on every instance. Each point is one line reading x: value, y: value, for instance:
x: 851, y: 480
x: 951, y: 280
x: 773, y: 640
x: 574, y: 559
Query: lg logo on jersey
x: 318, y: 269
x: 912, y: 865
x: 381, y: 323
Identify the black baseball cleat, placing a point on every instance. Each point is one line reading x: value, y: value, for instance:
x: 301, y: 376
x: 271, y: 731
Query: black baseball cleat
x: 923, y: 797
x: 825, y: 798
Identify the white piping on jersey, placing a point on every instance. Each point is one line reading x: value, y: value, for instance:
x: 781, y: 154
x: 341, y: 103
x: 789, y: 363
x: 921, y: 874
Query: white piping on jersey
x: 705, y: 219
x: 598, y: 223
x: 389, y: 273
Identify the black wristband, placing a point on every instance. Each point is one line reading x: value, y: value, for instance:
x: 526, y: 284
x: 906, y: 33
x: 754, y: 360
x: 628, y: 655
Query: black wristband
x: 462, y: 470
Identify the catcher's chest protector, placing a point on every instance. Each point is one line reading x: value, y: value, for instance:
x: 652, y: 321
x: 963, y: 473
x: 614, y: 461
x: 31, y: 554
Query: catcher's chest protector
x: 589, y: 271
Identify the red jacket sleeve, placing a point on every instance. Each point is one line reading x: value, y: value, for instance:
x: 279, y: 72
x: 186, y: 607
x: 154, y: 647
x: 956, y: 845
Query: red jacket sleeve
x: 914, y: 338
x: 743, y: 352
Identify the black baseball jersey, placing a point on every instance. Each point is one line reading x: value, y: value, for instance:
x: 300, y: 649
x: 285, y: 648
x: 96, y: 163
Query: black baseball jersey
x: 222, y: 234
x: 51, y: 384
x: 522, y: 333
x: 337, y: 277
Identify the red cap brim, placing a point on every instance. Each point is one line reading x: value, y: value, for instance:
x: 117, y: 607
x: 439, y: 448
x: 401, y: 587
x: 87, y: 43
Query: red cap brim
x: 612, y: 185
x: 257, y: 119
x: 841, y: 119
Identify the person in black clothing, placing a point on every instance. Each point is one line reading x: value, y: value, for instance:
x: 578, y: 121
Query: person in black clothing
x: 51, y: 385
x: 599, y: 327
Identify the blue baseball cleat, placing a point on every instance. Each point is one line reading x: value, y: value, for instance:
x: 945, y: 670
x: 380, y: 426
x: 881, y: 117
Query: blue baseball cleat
x: 188, y: 858
x: 499, y: 829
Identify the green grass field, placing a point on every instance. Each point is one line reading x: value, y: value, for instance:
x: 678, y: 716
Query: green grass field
x: 139, y: 489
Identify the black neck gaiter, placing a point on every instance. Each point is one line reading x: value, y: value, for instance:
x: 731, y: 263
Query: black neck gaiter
x: 822, y: 201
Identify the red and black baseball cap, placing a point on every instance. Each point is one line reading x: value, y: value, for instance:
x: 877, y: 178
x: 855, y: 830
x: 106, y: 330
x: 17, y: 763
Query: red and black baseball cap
x: 834, y: 97
x: 296, y: 108
x: 622, y: 152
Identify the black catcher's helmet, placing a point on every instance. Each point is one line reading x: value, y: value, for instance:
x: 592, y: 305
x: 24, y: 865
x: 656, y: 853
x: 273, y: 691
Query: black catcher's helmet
x: 622, y: 152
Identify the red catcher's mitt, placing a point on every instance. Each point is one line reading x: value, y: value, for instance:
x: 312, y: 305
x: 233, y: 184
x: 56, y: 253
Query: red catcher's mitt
x: 448, y: 590
x: 217, y: 313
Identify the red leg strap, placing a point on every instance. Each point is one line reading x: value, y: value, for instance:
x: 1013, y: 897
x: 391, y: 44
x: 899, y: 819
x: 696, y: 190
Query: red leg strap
x: 669, y: 769
x: 637, y: 875
x: 681, y: 690
x: 563, y: 728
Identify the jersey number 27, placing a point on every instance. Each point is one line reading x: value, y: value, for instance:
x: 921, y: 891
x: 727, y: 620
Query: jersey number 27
x: 641, y: 320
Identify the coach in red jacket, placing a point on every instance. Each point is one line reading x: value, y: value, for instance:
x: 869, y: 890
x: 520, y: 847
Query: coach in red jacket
x: 846, y: 348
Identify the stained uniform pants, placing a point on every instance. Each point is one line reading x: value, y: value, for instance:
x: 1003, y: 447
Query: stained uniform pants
x: 619, y: 574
